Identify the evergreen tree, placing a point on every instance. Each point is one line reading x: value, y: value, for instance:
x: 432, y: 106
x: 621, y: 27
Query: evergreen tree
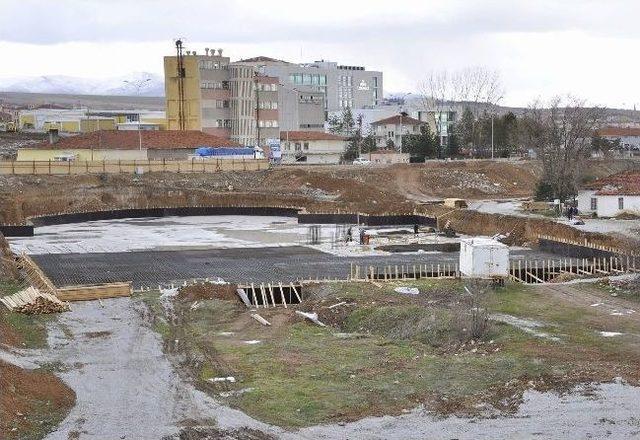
x: 421, y: 146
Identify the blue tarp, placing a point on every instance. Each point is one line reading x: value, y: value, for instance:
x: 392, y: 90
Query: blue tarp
x: 224, y: 151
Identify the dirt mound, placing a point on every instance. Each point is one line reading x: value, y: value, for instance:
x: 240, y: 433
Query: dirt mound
x: 199, y: 292
x: 628, y: 216
x: 8, y: 335
x: 8, y: 268
x: 31, y: 402
x: 209, y: 433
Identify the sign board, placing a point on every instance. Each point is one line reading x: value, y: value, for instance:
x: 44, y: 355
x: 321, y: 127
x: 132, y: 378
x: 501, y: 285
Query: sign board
x: 363, y: 85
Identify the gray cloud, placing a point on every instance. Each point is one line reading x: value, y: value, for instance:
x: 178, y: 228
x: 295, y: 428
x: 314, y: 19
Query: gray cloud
x: 41, y: 22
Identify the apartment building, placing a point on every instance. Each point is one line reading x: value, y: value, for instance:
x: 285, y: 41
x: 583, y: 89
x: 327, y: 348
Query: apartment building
x: 231, y: 100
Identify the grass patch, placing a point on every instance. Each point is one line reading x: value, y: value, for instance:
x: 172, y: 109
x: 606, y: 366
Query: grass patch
x: 385, y: 352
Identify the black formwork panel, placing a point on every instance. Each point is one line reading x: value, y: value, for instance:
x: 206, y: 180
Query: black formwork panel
x: 335, y: 218
x: 58, y: 219
x: 573, y: 250
x: 16, y: 230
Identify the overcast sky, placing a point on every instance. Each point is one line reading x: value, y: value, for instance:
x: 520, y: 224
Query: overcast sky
x: 542, y: 47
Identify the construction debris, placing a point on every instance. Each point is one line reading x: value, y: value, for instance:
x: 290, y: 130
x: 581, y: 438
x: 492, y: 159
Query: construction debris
x: 260, y: 319
x: 313, y: 317
x: 407, y: 290
x: 243, y: 296
x: 34, y: 302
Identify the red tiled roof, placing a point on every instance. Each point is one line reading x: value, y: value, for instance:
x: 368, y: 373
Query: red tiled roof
x: 397, y: 119
x: 618, y: 131
x: 310, y: 136
x: 625, y: 183
x: 129, y: 140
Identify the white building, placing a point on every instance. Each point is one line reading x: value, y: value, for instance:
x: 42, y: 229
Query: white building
x: 390, y: 131
x: 629, y: 136
x: 611, y: 196
x: 311, y: 147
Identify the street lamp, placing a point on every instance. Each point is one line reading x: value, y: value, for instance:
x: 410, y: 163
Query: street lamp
x: 138, y: 84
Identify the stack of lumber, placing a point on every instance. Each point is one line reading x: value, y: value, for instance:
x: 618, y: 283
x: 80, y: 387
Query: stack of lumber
x: 35, y: 275
x: 32, y: 301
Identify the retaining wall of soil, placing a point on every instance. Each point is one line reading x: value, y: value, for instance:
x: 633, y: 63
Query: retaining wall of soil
x: 303, y: 218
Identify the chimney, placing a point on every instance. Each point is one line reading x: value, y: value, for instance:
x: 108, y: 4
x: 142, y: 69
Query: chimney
x: 53, y: 136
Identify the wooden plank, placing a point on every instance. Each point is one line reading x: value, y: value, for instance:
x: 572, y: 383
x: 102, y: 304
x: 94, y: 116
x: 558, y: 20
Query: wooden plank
x: 265, y: 301
x: 93, y: 292
x: 296, y: 292
x: 282, y: 295
x: 253, y: 295
x: 536, y: 278
x: 273, y: 300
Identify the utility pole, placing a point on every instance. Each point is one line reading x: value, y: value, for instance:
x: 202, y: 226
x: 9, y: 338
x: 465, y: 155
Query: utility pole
x: 180, y: 75
x: 257, y: 110
x: 138, y: 85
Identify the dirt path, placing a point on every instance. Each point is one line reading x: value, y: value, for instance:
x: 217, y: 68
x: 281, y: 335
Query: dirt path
x: 589, y: 296
x: 125, y: 386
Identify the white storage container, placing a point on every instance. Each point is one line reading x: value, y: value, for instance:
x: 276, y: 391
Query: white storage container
x: 483, y: 258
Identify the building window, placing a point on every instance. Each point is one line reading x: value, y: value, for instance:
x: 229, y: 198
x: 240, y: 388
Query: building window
x: 594, y: 204
x: 620, y: 202
x: 298, y: 148
x: 306, y: 145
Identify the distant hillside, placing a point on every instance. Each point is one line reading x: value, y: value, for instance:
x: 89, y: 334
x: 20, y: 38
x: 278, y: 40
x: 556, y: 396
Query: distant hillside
x: 94, y: 102
x: 138, y: 83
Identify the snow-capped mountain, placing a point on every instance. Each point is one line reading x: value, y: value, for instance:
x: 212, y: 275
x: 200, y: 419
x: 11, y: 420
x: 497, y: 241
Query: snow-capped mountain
x: 138, y: 83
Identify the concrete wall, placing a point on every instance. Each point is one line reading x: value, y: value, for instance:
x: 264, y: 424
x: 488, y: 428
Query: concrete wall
x: 78, y: 167
x: 389, y: 157
x: 30, y: 154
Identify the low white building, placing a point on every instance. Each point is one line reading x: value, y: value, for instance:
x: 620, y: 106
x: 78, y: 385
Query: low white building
x: 311, y: 147
x: 611, y: 196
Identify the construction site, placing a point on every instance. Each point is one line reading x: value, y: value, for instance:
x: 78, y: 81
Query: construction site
x: 392, y: 301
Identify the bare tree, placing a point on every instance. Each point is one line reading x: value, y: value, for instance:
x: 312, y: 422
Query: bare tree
x: 480, y: 88
x: 560, y: 133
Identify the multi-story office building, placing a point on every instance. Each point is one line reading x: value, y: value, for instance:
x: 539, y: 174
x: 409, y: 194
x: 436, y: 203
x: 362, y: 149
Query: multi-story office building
x: 251, y: 100
x: 340, y: 86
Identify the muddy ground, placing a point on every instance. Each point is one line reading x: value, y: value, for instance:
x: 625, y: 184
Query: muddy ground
x: 377, y: 189
x: 133, y: 379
